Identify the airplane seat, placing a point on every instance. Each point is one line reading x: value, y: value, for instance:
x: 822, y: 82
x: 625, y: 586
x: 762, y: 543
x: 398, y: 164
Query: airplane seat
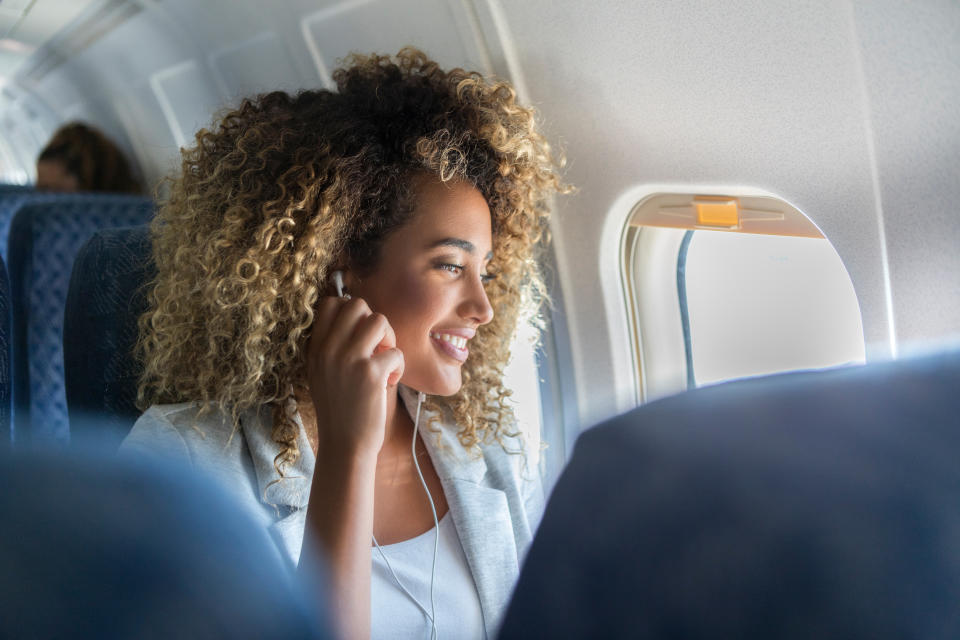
x: 5, y: 348
x: 44, y: 239
x: 12, y: 198
x: 93, y: 546
x: 104, y: 301
x: 817, y: 504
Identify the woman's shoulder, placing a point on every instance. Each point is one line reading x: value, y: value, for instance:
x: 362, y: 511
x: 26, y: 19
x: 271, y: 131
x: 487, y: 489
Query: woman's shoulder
x: 191, y: 420
x: 512, y: 465
x: 513, y: 460
x: 185, y: 431
x: 197, y: 436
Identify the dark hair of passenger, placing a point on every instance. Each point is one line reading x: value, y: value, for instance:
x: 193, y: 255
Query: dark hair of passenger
x: 285, y: 186
x: 81, y: 158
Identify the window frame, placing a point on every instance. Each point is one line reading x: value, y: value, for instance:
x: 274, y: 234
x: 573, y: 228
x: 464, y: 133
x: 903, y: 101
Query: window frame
x: 559, y: 408
x: 647, y: 227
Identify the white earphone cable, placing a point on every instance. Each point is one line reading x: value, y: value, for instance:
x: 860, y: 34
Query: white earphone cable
x: 432, y: 614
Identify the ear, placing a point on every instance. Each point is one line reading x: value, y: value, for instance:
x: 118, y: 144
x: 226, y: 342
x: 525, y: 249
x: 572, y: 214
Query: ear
x: 350, y: 280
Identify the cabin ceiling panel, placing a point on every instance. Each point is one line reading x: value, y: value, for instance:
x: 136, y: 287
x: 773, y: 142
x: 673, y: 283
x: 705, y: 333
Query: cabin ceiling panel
x: 26, y: 26
x: 118, y: 60
x: 142, y: 46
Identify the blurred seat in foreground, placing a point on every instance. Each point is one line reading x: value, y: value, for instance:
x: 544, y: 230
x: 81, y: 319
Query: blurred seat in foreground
x: 93, y: 547
x: 810, y: 505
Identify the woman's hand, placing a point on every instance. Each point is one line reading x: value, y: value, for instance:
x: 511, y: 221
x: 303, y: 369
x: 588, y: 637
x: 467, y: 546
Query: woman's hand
x: 352, y: 363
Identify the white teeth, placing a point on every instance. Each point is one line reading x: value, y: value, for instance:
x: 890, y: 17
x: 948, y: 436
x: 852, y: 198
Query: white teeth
x: 457, y: 341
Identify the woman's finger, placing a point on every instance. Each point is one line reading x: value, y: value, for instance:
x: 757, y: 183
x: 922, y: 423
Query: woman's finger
x: 374, y: 334
x: 388, y: 365
x: 323, y: 317
x: 341, y: 329
x: 327, y: 310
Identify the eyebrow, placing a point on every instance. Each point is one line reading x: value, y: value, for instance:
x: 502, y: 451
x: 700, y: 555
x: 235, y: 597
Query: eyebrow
x: 459, y: 243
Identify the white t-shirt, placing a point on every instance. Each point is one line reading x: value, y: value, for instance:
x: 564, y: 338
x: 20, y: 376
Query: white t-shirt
x: 394, y: 615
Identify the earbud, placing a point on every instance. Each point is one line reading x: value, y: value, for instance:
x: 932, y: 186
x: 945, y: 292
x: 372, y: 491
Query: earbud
x: 337, y: 277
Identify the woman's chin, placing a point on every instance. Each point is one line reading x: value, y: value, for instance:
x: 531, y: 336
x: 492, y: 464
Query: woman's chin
x: 434, y: 385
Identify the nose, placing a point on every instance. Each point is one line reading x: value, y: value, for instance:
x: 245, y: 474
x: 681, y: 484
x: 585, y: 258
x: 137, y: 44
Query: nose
x: 475, y: 305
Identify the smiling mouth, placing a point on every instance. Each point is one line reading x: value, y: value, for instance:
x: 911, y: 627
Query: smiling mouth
x: 453, y: 346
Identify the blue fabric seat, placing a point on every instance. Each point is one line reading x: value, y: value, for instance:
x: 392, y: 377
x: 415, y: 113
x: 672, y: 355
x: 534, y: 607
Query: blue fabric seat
x: 15, y: 197
x: 105, y: 299
x: 96, y: 547
x: 44, y: 239
x: 812, y: 505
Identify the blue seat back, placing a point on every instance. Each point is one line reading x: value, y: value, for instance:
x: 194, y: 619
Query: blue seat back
x: 44, y: 239
x: 15, y: 197
x: 105, y: 300
x: 815, y: 505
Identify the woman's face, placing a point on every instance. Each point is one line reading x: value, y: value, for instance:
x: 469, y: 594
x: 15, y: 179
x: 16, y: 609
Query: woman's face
x: 429, y: 283
x: 52, y: 175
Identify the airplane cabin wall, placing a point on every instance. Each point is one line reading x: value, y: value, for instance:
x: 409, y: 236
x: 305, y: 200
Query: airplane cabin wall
x: 840, y: 108
x: 911, y: 62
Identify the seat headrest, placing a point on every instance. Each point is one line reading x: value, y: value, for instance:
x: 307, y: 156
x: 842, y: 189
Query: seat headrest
x: 106, y: 297
x: 821, y: 504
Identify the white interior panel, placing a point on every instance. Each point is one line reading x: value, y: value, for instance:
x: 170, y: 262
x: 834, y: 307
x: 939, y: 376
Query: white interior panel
x: 154, y: 148
x: 187, y: 99
x: 255, y: 66
x: 442, y: 28
x: 911, y: 61
x: 659, y: 323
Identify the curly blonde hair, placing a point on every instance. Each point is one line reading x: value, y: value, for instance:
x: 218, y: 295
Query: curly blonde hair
x: 284, y: 187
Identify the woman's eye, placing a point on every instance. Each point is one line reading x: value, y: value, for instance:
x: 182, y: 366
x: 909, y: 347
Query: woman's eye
x: 487, y: 277
x: 452, y: 268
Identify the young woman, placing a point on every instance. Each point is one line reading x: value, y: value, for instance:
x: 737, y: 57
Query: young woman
x: 421, y: 195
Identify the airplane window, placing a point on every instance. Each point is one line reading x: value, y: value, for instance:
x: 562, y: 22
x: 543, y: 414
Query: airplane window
x: 522, y: 376
x: 725, y: 287
x: 759, y: 304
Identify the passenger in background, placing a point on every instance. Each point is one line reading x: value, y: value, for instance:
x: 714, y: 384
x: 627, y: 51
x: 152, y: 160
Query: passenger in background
x: 81, y: 158
x: 421, y: 193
